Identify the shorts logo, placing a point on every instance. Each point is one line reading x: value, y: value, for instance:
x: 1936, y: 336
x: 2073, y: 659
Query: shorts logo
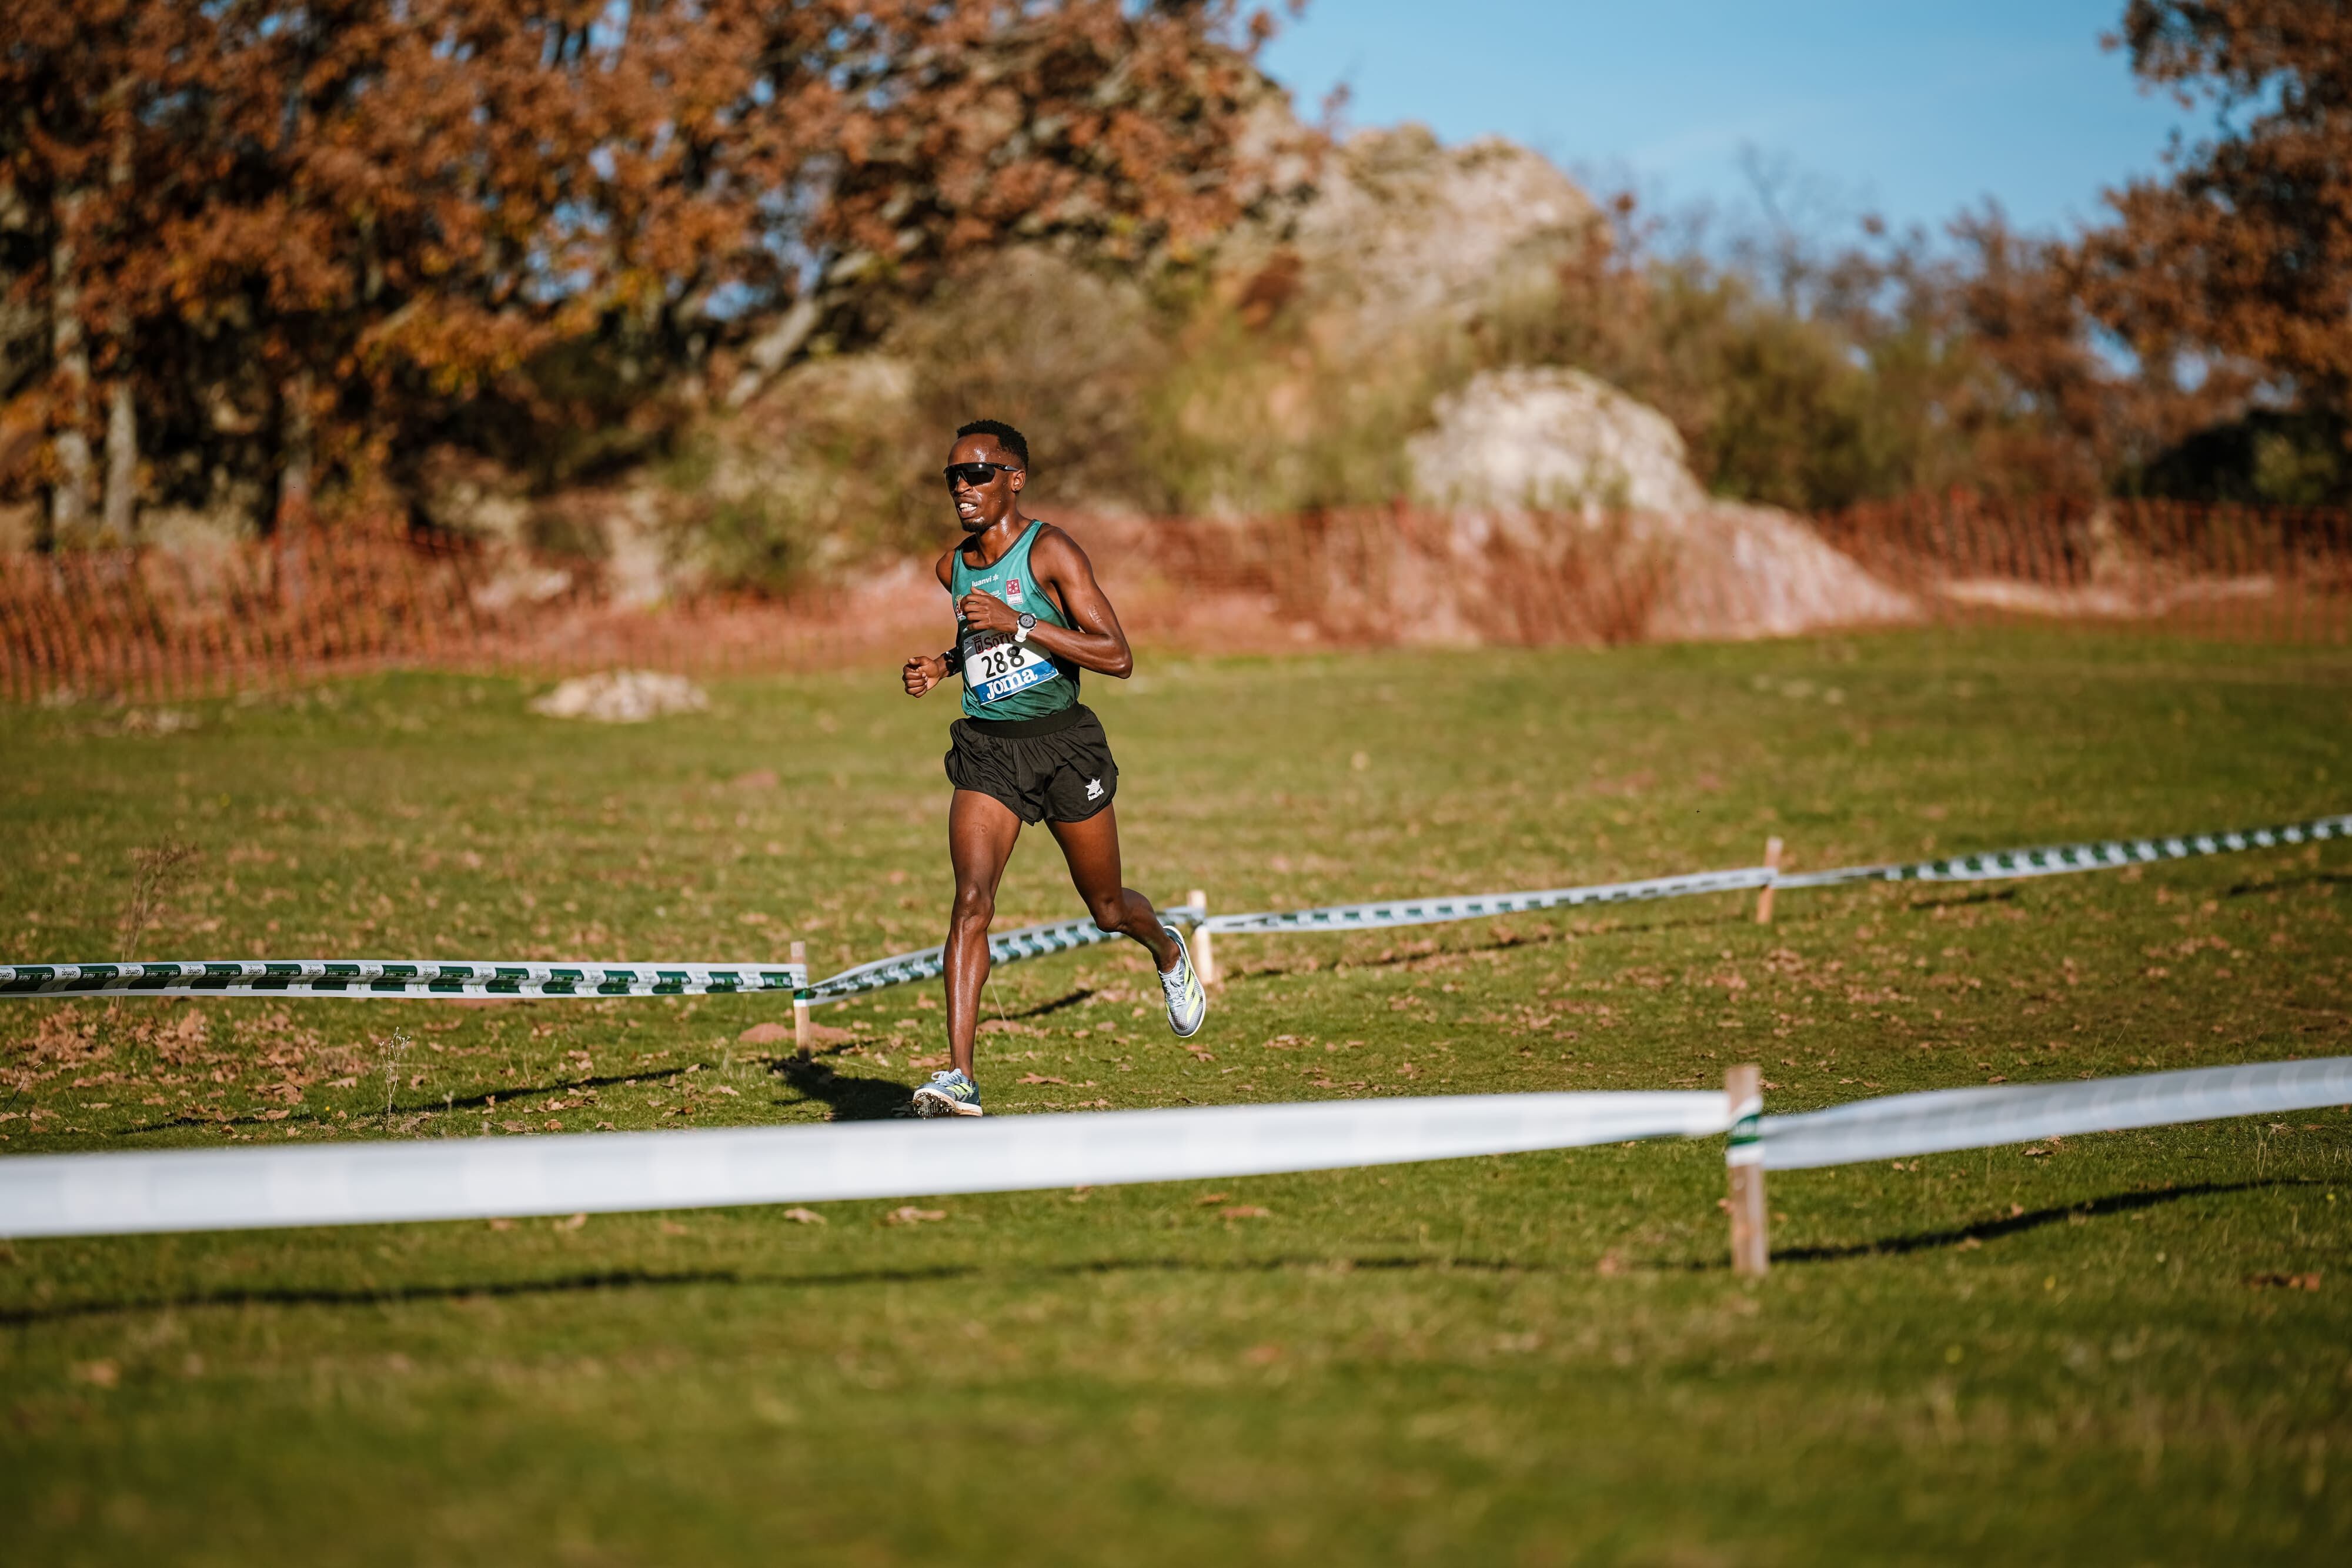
x: 1013, y: 591
x: 1094, y: 788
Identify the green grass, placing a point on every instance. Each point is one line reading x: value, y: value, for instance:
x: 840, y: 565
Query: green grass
x: 2076, y: 1354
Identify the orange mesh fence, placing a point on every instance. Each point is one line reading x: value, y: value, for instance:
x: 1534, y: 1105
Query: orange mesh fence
x: 153, y: 622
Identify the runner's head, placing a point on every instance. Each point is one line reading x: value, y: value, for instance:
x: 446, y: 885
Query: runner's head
x: 986, y: 469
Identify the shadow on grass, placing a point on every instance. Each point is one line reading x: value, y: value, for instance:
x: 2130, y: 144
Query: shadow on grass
x: 1167, y: 1263
x: 632, y: 1278
x: 851, y: 1098
x: 1398, y: 958
x: 2315, y: 879
x: 2030, y: 1219
x: 397, y: 1295
x: 2004, y: 895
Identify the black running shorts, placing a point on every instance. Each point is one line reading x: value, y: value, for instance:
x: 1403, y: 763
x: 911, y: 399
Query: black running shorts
x: 1056, y: 769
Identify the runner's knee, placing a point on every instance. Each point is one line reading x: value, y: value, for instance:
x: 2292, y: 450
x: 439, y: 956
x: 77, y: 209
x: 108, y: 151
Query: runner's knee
x: 1110, y: 913
x: 974, y: 904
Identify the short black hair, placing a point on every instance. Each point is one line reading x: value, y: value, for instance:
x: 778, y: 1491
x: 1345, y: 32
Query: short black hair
x: 1006, y: 438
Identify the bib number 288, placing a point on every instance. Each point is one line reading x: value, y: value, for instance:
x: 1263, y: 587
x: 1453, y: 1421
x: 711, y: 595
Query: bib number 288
x: 998, y: 666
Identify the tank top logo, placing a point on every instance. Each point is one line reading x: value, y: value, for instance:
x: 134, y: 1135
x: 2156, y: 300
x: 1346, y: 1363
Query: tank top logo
x: 1013, y: 591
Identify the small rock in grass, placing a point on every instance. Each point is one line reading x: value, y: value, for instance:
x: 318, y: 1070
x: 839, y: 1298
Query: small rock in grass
x: 621, y: 696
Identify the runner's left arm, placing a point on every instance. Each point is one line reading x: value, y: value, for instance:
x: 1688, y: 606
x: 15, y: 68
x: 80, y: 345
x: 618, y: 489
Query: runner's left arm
x: 1094, y: 638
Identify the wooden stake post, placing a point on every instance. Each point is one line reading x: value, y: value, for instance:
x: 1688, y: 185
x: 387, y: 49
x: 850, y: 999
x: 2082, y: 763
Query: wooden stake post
x: 1764, y: 894
x: 1204, y: 952
x: 1751, y: 1250
x: 799, y: 1003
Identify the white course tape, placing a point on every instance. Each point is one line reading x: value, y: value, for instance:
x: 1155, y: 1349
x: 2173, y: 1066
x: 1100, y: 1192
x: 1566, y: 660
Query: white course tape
x: 605, y: 1172
x: 1900, y: 1125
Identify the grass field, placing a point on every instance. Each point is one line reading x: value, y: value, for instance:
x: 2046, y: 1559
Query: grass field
x: 2127, y: 1348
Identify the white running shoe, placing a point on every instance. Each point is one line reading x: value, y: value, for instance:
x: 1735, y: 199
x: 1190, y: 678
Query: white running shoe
x: 948, y: 1094
x: 1187, y: 1004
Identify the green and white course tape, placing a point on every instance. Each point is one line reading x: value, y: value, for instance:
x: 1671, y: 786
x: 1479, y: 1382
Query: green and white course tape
x: 2053, y: 860
x: 390, y: 977
x: 1391, y: 912
x: 377, y: 977
x: 1029, y: 942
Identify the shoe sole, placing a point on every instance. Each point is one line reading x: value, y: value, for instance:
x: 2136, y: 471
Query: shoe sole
x: 1174, y: 1029
x: 929, y: 1105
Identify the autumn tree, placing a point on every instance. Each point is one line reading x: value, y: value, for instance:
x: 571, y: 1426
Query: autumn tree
x: 276, y: 240
x: 2243, y: 253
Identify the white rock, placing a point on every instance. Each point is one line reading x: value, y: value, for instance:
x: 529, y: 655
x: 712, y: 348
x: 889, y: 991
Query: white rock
x: 621, y: 696
x: 1554, y: 440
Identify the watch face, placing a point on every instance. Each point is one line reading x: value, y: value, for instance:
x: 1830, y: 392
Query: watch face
x: 1028, y: 622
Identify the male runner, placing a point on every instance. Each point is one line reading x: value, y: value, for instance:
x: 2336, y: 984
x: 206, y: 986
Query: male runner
x: 1029, y: 617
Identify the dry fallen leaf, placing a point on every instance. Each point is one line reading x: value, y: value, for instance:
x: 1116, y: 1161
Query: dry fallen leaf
x: 97, y: 1374
x: 1209, y: 1197
x: 1040, y: 1077
x: 1262, y: 1354
x: 2280, y: 1281
x: 277, y: 1116
x: 908, y: 1214
x: 1246, y: 1211
x: 804, y: 1216
x: 574, y: 1223
x: 502, y: 1224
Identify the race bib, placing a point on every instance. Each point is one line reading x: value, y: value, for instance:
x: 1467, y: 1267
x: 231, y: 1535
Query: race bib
x: 995, y: 667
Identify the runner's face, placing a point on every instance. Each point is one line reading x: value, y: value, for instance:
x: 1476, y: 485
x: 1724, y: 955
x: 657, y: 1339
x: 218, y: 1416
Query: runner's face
x: 980, y: 508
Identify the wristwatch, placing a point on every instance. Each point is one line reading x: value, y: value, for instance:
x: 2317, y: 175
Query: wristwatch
x: 1028, y: 624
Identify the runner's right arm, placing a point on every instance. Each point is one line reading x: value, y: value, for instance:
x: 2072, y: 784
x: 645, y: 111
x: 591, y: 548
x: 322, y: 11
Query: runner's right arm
x: 925, y: 670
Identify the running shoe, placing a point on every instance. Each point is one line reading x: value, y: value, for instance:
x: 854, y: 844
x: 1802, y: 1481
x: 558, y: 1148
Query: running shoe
x: 1187, y: 1004
x: 948, y: 1094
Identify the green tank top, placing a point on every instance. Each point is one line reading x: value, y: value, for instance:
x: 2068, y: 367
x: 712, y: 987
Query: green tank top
x: 1003, y: 679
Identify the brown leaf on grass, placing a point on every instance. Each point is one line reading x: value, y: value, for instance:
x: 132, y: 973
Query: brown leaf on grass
x: 1041, y: 1078
x: 2037, y: 1153
x: 1610, y: 1264
x: 97, y: 1374
x: 672, y: 1228
x: 511, y: 1126
x: 1262, y: 1354
x: 1245, y: 1211
x: 502, y: 1224
x: 277, y: 1116
x: 908, y: 1214
x: 804, y: 1216
x: 1206, y: 1199
x: 574, y: 1223
x: 2285, y: 1282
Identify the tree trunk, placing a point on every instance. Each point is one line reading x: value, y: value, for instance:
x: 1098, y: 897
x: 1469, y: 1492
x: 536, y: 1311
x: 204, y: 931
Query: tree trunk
x: 123, y: 464
x: 69, y: 353
x: 121, y: 520
x: 298, y: 453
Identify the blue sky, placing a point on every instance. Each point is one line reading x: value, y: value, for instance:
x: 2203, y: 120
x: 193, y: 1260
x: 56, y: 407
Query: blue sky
x: 1911, y: 107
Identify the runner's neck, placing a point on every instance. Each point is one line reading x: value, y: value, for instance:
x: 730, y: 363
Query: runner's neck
x: 1005, y: 535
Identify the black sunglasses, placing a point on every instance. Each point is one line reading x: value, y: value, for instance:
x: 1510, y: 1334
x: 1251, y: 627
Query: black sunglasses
x: 979, y: 475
